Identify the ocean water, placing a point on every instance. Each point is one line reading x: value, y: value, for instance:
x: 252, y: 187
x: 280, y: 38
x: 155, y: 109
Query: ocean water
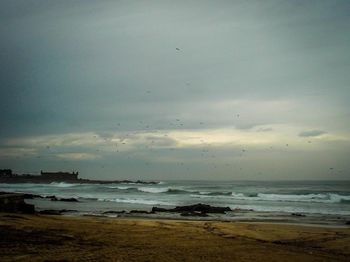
x: 320, y: 200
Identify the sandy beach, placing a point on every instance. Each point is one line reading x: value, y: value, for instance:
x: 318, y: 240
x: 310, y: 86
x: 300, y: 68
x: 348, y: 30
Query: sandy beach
x: 63, y: 238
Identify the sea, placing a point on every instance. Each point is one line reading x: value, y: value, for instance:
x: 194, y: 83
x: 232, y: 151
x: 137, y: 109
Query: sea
x: 310, y: 202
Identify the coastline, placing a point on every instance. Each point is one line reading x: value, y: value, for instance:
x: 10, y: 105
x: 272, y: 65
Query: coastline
x: 64, y: 238
x: 53, y: 205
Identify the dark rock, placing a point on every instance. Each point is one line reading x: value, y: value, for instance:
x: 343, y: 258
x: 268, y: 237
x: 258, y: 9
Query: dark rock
x: 31, y: 196
x: 14, y: 203
x: 237, y: 209
x: 27, y: 208
x: 139, y: 212
x: 199, y: 208
x: 146, y: 182
x: 347, y: 222
x: 298, y: 215
x: 68, y: 210
x: 65, y: 199
x: 25, y: 195
x: 159, y: 209
x: 69, y: 199
x: 202, y: 208
x: 55, y: 212
x: 114, y: 212
x: 53, y: 198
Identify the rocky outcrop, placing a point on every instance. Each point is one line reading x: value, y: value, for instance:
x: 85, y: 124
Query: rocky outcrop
x: 64, y: 199
x: 14, y: 203
x: 25, y: 195
x: 111, y: 212
x: 160, y: 209
x: 140, y: 212
x: 298, y: 215
x: 55, y: 212
x: 31, y: 196
x: 194, y: 209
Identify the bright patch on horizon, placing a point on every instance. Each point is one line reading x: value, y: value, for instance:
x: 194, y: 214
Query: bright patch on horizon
x: 77, y: 156
x: 277, y: 135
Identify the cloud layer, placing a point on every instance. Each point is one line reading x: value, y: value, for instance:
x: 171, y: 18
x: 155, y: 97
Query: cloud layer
x: 311, y: 133
x: 134, y: 89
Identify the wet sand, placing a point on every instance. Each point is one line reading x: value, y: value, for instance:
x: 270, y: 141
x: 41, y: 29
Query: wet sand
x: 58, y: 238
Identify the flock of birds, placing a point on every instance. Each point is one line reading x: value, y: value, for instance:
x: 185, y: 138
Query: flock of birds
x: 210, y: 156
x: 208, y: 153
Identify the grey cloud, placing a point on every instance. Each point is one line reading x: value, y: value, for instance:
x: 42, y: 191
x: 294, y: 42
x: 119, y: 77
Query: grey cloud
x: 112, y: 66
x: 161, y: 141
x: 246, y: 126
x: 311, y: 133
x: 264, y: 129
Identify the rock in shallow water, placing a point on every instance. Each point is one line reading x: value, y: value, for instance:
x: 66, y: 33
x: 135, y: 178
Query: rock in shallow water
x: 197, y: 208
x: 140, y: 212
x: 64, y: 199
x: 14, y: 203
x: 113, y: 212
x: 55, y: 212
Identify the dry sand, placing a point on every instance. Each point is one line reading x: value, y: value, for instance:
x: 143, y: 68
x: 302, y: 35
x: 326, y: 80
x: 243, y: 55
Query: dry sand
x: 55, y: 238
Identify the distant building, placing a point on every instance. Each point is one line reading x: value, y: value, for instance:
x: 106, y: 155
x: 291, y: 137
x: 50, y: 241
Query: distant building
x: 6, y: 173
x: 59, y: 176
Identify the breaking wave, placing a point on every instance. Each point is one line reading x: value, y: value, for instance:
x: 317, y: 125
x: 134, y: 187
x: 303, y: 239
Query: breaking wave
x: 168, y: 190
x: 136, y: 201
x: 312, y: 198
x: 63, y: 184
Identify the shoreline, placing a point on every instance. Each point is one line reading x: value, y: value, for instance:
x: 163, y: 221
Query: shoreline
x: 43, y: 237
x: 267, y: 222
x: 215, y: 219
x: 245, y: 216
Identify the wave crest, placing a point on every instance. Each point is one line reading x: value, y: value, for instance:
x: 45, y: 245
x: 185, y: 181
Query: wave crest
x: 311, y: 198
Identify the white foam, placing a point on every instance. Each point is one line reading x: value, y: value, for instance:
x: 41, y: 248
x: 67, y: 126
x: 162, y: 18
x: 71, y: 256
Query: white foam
x: 137, y: 201
x: 335, y: 198
x: 290, y: 209
x: 62, y: 184
x: 120, y: 187
x: 155, y: 190
x: 311, y: 198
x: 211, y: 196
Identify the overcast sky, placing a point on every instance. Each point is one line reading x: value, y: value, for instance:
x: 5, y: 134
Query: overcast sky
x: 176, y: 89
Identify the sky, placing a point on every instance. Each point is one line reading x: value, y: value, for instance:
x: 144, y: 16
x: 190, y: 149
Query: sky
x: 217, y: 90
